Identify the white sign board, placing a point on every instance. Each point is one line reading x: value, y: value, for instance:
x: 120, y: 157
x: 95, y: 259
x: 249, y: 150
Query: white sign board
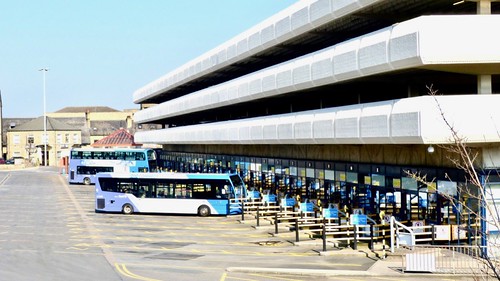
x: 418, y: 226
x: 442, y: 232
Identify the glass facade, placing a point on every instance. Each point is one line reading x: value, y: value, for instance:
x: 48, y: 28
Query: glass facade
x: 375, y: 189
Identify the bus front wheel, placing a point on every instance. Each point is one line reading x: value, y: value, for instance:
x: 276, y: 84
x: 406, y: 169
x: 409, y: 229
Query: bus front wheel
x: 204, y: 211
x: 127, y: 209
x: 86, y: 181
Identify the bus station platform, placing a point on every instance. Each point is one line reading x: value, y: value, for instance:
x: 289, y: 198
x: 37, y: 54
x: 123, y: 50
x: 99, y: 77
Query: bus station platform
x: 390, y: 267
x: 336, y: 256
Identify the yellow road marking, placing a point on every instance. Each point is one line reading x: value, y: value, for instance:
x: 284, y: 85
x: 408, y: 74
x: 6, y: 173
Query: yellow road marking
x: 275, y: 277
x: 76, y: 248
x: 238, y: 278
x: 122, y: 269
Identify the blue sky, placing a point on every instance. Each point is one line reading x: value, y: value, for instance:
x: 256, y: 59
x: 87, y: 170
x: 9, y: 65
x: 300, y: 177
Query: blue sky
x: 100, y: 51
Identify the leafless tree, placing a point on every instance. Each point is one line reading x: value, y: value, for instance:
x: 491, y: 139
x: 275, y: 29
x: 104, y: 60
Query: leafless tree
x: 476, y: 187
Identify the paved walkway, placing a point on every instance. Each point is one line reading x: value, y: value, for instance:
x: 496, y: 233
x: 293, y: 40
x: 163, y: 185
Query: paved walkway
x: 385, y: 263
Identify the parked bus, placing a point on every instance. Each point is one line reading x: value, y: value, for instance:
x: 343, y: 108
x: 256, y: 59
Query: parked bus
x: 84, y: 163
x: 172, y: 193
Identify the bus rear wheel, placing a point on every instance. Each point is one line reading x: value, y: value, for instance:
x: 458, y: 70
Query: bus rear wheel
x: 204, y: 211
x: 86, y: 181
x: 127, y: 209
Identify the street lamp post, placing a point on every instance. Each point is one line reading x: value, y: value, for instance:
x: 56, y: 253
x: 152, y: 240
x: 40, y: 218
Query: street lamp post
x: 44, y: 70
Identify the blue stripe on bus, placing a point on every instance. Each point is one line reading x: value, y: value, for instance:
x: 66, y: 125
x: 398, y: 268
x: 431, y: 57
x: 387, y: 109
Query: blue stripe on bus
x: 220, y: 206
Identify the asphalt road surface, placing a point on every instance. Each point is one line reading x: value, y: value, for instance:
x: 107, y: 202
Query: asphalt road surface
x: 49, y: 231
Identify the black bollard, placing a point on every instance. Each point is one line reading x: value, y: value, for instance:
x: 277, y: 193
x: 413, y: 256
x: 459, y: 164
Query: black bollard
x: 433, y: 234
x: 296, y: 230
x: 355, y: 246
x: 242, y: 210
x: 371, y: 238
x: 324, y: 236
x: 276, y: 223
x: 258, y: 216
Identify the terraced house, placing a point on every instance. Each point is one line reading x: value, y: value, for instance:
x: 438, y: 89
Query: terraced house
x: 329, y: 100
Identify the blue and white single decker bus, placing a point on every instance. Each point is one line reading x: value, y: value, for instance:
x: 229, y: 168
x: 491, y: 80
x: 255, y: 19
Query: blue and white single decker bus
x: 170, y: 193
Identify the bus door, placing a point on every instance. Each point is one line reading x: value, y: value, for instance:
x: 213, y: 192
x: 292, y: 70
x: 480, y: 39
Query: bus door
x: 342, y: 195
x: 293, y: 179
x: 329, y: 184
x: 447, y: 194
x: 387, y: 199
x: 317, y: 175
x: 281, y: 178
x: 363, y: 198
x: 312, y: 188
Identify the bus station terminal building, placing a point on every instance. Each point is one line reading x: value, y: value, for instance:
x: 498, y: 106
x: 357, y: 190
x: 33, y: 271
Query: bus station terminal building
x: 329, y: 100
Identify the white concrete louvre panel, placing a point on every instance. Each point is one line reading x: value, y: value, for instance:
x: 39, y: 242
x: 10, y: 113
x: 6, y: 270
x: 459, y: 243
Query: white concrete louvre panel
x: 345, y: 60
x: 323, y: 127
x: 267, y: 36
x: 347, y: 125
x: 373, y: 52
x: 222, y: 133
x: 255, y: 87
x: 320, y: 12
x: 269, y: 84
x: 374, y: 122
x: 302, y: 74
x: 243, y: 91
x: 300, y: 22
x: 285, y: 129
x: 232, y: 93
x: 232, y: 52
x: 344, y: 7
x: 214, y: 60
x: 322, y: 68
x: 244, y: 133
x: 303, y: 128
x: 222, y: 56
x: 202, y: 99
x: 192, y: 72
x: 254, y: 43
x: 403, y: 45
x: 282, y: 29
x: 233, y: 135
x: 256, y: 133
x: 284, y: 81
x: 223, y: 96
x: 215, y: 97
x: 270, y: 130
x: 205, y: 65
x: 242, y: 47
x: 405, y: 120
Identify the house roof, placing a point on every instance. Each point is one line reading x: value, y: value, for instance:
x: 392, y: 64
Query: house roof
x: 120, y: 138
x: 78, y: 109
x: 52, y: 125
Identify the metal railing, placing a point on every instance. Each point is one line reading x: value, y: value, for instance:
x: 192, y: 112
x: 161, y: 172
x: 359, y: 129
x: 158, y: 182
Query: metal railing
x: 448, y: 259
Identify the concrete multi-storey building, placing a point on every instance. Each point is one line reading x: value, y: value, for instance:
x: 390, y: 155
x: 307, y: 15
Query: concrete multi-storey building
x: 330, y: 100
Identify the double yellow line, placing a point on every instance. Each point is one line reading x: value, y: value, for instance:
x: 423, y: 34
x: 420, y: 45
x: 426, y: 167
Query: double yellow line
x: 122, y: 269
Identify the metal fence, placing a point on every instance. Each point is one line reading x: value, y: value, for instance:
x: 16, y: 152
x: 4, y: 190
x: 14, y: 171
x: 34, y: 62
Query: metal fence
x: 447, y: 259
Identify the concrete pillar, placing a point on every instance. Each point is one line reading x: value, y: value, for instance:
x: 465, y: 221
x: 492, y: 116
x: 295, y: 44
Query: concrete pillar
x: 484, y: 7
x: 484, y: 86
x: 484, y: 81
